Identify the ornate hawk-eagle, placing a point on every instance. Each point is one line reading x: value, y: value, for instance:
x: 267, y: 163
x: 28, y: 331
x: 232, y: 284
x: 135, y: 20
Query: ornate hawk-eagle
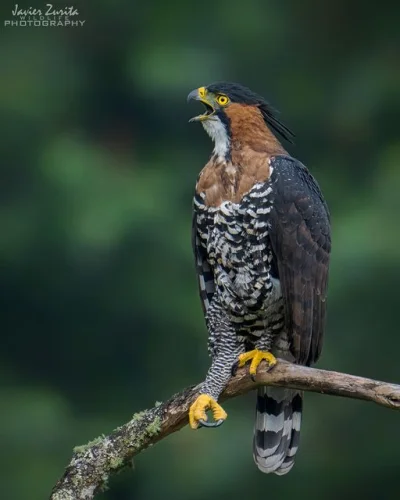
x: 261, y: 239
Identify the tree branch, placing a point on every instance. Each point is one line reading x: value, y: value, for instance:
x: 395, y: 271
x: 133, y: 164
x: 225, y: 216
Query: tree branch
x: 92, y: 464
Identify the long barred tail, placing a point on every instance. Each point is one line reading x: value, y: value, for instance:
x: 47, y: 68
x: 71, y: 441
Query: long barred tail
x: 277, y: 429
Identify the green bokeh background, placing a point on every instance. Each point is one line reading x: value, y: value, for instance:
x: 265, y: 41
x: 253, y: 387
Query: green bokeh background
x: 100, y: 315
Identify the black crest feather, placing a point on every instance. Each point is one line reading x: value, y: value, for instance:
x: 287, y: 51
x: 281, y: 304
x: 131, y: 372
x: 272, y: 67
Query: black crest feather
x: 240, y: 94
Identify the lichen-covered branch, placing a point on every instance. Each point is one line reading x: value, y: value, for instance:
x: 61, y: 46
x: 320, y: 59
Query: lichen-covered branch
x: 94, y: 463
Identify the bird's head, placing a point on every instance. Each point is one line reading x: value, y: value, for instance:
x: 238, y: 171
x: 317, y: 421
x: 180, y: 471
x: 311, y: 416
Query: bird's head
x: 233, y: 112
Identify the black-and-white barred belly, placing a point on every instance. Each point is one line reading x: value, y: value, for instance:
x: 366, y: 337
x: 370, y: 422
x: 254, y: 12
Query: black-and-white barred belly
x: 235, y: 236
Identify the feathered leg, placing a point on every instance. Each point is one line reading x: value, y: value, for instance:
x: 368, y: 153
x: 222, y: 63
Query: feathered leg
x: 224, y: 348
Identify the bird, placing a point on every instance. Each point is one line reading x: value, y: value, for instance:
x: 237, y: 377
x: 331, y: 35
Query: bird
x: 261, y: 239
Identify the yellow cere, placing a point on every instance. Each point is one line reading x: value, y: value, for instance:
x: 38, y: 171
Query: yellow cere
x: 202, y: 92
x: 222, y: 100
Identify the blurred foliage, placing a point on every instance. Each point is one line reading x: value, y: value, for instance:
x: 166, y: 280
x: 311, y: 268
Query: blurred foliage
x: 100, y: 314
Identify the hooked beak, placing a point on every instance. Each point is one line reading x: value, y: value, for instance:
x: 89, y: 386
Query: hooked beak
x: 194, y: 94
x: 201, y: 95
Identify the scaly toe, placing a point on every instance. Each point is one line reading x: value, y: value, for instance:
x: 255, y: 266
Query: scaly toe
x: 243, y: 358
x: 256, y: 357
x: 198, y: 416
x: 270, y: 359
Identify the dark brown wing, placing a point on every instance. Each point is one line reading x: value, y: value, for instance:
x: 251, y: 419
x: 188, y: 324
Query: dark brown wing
x: 301, y: 242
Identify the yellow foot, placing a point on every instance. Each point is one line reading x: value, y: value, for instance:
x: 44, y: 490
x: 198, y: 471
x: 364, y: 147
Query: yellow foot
x: 256, y: 357
x: 198, y: 416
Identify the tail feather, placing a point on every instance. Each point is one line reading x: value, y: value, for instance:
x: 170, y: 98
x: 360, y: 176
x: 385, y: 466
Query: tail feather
x: 277, y: 429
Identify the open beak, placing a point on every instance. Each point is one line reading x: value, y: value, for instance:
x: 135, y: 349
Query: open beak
x: 201, y: 95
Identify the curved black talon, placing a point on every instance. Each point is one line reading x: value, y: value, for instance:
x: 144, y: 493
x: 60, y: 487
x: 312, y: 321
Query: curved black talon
x: 234, y: 368
x: 253, y: 377
x: 204, y: 423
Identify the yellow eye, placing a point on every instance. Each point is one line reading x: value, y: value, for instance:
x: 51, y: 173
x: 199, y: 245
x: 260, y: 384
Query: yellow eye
x: 222, y: 100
